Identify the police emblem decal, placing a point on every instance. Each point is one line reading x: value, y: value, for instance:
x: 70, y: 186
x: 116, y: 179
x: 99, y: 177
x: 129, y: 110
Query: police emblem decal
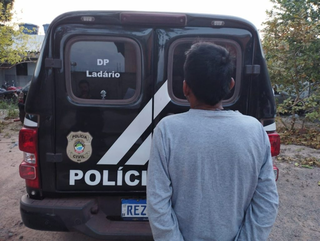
x: 79, y: 147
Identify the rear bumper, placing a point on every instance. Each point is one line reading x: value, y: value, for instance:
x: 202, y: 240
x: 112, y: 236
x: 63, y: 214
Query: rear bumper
x: 82, y: 215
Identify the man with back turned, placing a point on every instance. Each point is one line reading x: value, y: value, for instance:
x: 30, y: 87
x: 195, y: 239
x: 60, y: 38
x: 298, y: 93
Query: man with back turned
x: 210, y: 174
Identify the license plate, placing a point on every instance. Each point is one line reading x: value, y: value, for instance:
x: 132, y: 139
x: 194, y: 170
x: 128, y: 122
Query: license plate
x: 134, y: 209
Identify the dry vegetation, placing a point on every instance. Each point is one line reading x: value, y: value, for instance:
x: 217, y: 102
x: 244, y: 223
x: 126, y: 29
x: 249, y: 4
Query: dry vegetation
x: 304, y: 134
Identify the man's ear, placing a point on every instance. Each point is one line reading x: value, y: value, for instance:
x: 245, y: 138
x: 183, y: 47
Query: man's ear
x: 186, y: 89
x: 232, y: 83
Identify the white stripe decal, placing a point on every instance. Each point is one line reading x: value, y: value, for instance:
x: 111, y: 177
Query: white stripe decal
x: 29, y: 123
x: 161, y: 99
x: 141, y: 156
x: 135, y: 130
x: 128, y: 137
x: 271, y: 127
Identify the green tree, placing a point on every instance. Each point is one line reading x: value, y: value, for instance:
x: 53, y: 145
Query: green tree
x: 6, y: 10
x: 13, y: 43
x: 292, y: 46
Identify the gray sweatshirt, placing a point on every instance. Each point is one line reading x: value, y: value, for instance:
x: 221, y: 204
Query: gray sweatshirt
x: 210, y: 177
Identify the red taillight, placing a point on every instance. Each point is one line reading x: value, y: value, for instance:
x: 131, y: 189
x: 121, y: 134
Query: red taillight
x: 28, y: 140
x: 274, y: 139
x: 30, y: 174
x: 28, y: 169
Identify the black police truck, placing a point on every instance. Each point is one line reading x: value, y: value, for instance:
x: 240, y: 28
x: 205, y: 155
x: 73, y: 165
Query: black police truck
x: 103, y: 81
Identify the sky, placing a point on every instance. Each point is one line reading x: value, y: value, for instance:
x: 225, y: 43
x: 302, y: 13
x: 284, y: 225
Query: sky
x: 41, y: 12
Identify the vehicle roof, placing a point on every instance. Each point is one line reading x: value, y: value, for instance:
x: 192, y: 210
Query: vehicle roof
x: 192, y: 19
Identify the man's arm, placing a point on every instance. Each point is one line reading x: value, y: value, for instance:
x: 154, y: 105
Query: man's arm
x: 162, y: 218
x: 262, y: 211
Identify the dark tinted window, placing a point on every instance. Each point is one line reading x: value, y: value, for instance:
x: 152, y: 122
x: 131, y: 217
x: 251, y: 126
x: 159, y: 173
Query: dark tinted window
x: 176, y: 60
x: 103, y: 70
x: 22, y: 69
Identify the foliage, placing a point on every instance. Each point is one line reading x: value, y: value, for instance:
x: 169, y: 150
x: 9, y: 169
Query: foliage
x: 9, y: 110
x: 12, y: 114
x: 292, y: 46
x: 306, y: 137
x: 2, y: 126
x: 13, y: 43
x: 8, y: 104
x: 306, y: 162
x: 6, y: 9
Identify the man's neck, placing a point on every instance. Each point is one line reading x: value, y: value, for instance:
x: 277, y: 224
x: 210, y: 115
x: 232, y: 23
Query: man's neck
x: 203, y: 106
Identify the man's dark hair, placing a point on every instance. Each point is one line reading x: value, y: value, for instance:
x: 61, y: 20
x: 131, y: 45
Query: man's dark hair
x: 207, y: 71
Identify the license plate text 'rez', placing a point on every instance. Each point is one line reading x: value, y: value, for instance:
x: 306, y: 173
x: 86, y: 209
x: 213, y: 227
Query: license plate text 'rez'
x: 134, y: 209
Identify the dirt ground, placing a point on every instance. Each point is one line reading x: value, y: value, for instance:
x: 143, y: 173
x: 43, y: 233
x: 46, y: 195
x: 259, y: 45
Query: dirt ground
x: 298, y: 187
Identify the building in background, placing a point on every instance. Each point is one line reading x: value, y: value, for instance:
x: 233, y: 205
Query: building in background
x: 21, y: 73
x: 29, y: 28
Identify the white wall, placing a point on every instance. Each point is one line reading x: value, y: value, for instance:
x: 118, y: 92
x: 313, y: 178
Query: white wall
x: 10, y: 74
x: 31, y: 67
